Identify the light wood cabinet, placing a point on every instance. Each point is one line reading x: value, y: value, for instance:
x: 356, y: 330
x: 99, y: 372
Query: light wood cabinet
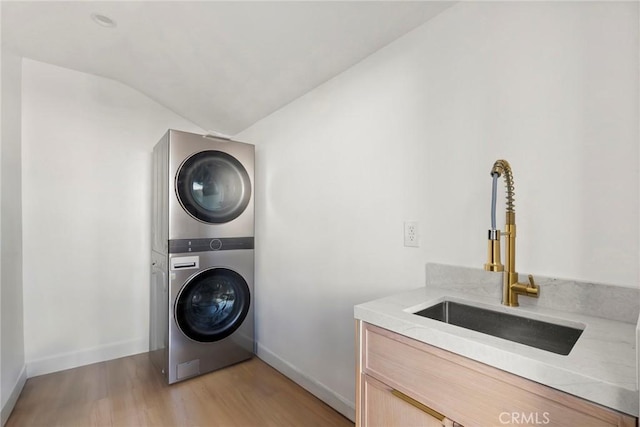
x: 463, y: 390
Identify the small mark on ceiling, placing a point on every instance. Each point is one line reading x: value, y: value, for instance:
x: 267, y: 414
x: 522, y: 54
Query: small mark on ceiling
x: 103, y: 20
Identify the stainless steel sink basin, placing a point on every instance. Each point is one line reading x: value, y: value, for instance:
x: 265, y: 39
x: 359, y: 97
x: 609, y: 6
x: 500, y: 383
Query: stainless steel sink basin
x: 547, y: 336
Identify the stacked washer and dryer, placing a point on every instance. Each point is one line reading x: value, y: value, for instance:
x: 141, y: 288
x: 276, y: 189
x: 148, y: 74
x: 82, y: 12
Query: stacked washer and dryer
x: 201, y: 310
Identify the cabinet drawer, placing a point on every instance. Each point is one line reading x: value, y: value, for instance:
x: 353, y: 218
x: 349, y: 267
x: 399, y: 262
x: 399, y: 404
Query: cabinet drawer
x: 383, y: 409
x: 472, y: 393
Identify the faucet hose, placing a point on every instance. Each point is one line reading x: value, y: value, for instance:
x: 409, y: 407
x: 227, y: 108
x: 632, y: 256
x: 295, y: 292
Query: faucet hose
x: 502, y: 168
x: 494, y: 190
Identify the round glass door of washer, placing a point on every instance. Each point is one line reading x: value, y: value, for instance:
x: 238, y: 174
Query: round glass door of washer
x: 213, y: 187
x: 212, y: 305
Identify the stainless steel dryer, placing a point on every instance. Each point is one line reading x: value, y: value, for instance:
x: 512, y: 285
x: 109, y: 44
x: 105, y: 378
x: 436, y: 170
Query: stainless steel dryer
x: 201, y: 311
x: 203, y: 188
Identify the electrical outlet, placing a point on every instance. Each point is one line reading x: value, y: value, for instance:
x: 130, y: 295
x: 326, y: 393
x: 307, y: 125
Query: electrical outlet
x: 411, y: 235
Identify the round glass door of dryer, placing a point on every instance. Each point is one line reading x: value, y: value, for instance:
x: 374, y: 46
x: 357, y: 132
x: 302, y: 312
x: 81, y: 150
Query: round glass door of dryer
x: 213, y: 187
x: 212, y: 305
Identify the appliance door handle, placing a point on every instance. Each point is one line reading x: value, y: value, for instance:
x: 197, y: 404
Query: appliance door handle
x: 184, y: 265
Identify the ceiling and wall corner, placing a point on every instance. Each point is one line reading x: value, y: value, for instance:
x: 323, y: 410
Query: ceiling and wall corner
x: 223, y: 65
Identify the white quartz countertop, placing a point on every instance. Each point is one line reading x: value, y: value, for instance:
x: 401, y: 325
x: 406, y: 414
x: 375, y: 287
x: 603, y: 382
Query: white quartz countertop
x: 601, y: 367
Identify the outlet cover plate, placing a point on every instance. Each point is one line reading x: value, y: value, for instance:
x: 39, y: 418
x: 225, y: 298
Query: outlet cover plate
x: 411, y: 234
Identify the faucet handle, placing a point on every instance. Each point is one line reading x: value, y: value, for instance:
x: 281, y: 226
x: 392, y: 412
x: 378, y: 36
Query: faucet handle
x: 532, y: 290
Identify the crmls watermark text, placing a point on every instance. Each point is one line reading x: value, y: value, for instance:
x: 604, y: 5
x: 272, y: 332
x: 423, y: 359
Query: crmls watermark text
x: 528, y: 418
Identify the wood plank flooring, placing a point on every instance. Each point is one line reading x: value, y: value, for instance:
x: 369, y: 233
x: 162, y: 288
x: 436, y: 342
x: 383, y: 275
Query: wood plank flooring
x: 128, y: 392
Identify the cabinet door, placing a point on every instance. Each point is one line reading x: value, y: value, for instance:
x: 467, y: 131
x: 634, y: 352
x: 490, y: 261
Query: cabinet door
x: 382, y: 408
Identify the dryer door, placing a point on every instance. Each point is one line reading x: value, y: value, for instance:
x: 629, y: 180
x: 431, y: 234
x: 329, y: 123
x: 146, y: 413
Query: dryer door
x: 212, y: 305
x: 213, y: 186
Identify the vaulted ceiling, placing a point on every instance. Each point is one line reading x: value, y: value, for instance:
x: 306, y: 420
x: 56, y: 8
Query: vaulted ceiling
x: 221, y: 64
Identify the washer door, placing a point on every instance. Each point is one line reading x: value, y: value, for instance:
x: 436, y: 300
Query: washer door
x: 213, y: 186
x: 212, y: 305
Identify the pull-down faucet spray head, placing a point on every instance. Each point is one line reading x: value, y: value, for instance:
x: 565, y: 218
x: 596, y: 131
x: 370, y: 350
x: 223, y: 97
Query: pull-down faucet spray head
x: 493, y: 252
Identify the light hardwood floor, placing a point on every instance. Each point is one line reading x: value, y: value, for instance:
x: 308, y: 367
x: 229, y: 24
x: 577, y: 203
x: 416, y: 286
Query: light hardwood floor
x: 128, y: 392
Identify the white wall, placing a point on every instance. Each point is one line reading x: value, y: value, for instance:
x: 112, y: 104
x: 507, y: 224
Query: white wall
x: 12, y: 356
x: 87, y: 144
x: 411, y: 133
x: 553, y: 88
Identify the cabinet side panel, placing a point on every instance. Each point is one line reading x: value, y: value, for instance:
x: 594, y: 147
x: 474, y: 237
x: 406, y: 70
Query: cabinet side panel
x: 160, y: 196
x: 359, y: 376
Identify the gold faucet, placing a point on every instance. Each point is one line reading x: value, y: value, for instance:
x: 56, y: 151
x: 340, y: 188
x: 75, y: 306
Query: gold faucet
x: 511, y: 288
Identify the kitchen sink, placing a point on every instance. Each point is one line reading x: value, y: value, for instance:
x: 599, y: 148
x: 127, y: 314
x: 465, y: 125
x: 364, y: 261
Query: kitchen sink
x: 547, y: 336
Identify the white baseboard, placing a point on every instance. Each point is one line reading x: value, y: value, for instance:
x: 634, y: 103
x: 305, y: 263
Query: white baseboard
x: 60, y: 362
x: 322, y: 392
x: 7, y: 408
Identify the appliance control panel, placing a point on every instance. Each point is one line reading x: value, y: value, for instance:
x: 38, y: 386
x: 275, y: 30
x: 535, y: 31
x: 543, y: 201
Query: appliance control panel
x: 180, y: 246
